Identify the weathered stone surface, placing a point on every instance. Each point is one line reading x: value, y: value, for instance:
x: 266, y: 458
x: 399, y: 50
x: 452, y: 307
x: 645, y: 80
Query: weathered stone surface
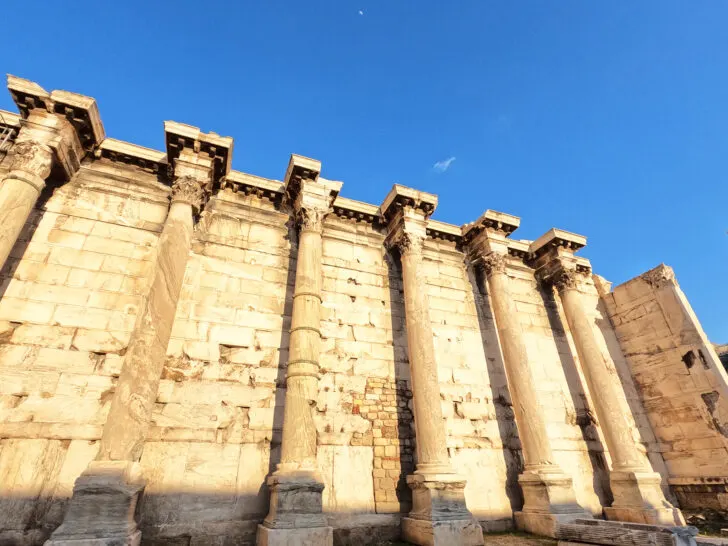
x: 370, y: 345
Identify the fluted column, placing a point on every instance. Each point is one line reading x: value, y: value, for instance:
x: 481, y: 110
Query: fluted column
x: 638, y: 496
x: 47, y: 140
x: 30, y: 165
x: 105, y: 495
x: 298, y: 448
x: 136, y: 390
x: 439, y: 513
x: 296, y: 510
x: 548, y: 491
x: 432, y: 456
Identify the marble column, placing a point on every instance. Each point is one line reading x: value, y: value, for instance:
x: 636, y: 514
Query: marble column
x: 30, y: 165
x: 47, y: 140
x: 547, y: 490
x: 439, y: 513
x: 101, y: 511
x: 296, y: 512
x: 638, y: 496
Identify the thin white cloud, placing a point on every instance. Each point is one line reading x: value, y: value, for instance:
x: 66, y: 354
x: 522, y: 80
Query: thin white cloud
x: 442, y: 166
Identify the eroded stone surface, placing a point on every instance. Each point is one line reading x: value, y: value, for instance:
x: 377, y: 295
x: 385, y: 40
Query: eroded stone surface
x: 423, y: 361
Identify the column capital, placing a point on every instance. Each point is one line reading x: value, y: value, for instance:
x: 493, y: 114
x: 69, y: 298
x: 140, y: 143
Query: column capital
x: 493, y: 263
x: 489, y: 235
x: 406, y: 211
x: 553, y: 257
x: 196, y: 158
x: 309, y: 195
x: 660, y: 276
x: 187, y: 189
x: 33, y: 157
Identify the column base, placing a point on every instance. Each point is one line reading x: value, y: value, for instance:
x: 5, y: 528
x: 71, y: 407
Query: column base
x: 101, y: 510
x: 638, y: 498
x: 296, y: 512
x: 439, y: 515
x: 549, y: 499
x: 312, y: 536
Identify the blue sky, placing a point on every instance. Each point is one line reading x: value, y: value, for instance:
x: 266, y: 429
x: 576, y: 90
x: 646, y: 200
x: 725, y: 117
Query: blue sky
x: 609, y: 119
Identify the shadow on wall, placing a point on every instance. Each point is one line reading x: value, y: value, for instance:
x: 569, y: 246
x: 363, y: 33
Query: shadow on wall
x: 584, y: 417
x: 183, y: 518
x: 644, y: 429
x: 280, y: 392
x: 501, y: 397
x: 405, y: 432
x: 25, y: 237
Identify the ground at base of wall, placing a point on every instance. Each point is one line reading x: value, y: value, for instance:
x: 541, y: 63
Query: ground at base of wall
x: 500, y: 539
x: 708, y: 522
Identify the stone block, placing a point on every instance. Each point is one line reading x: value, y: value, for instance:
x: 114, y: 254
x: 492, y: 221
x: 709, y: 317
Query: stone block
x: 313, y: 536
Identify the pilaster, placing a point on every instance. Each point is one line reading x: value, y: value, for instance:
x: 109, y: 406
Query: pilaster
x: 548, y: 491
x: 439, y: 513
x: 56, y: 130
x: 635, y: 486
x: 101, y: 511
x: 296, y: 513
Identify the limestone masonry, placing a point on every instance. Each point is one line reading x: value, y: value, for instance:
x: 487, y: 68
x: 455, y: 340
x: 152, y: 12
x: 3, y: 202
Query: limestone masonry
x: 193, y: 355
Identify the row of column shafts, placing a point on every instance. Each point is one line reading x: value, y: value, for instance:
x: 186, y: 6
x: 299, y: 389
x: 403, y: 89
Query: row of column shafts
x: 59, y: 128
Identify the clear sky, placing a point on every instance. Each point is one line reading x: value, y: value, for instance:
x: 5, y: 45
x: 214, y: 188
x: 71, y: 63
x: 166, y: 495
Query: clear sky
x: 609, y: 119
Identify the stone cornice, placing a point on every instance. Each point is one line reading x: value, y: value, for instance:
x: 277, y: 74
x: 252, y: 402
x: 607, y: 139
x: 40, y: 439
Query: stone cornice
x: 309, y: 195
x: 443, y: 231
x: 248, y: 184
x: 132, y: 154
x: 180, y: 136
x: 491, y: 220
x: 660, y: 276
x: 356, y: 210
x: 556, y: 238
x: 81, y: 111
x: 400, y: 197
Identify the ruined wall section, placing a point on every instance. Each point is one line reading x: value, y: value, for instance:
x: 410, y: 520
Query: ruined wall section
x: 572, y: 429
x: 71, y: 290
x: 681, y: 383
x: 481, y: 436
x: 216, y: 425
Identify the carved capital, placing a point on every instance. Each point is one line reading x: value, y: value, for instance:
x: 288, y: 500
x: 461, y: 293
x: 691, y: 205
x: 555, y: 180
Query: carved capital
x: 660, y: 276
x: 187, y: 189
x: 410, y: 243
x: 493, y: 262
x: 311, y: 218
x: 32, y: 157
x: 565, y: 279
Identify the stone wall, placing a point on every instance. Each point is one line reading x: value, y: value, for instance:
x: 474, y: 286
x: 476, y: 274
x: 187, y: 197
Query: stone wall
x: 681, y: 382
x: 79, y: 273
x: 74, y: 295
x: 71, y: 290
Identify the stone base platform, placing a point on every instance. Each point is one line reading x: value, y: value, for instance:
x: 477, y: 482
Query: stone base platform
x: 312, y: 536
x: 88, y: 540
x: 544, y: 524
x: 615, y: 533
x: 101, y: 510
x: 663, y: 516
x: 463, y: 532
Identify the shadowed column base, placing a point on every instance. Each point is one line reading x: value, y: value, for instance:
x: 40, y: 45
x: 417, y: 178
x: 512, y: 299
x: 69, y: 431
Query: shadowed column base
x: 638, y: 498
x: 439, y: 515
x: 296, y: 514
x: 549, y: 499
x: 101, y: 511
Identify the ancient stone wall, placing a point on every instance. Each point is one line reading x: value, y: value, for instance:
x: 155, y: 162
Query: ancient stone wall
x: 681, y: 382
x: 71, y: 290
x: 431, y: 376
x: 79, y: 274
